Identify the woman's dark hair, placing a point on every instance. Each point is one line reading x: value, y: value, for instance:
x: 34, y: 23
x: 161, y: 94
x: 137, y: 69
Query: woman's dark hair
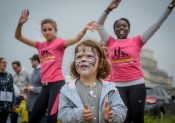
x: 126, y: 20
x: 104, y: 67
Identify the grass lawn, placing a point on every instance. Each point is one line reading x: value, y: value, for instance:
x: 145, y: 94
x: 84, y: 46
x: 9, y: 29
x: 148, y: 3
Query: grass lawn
x: 154, y: 119
x: 164, y: 119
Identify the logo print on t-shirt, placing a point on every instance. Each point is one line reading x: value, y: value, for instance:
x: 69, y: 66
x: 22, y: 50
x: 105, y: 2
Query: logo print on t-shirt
x: 118, y: 53
x: 120, y: 56
x: 46, y: 56
x: 45, y: 53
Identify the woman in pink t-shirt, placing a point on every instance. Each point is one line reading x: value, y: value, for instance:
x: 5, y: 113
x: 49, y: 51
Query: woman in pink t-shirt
x: 124, y: 55
x: 51, y: 55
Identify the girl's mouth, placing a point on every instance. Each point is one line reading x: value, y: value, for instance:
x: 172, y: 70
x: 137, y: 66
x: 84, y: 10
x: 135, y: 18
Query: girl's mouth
x: 83, y: 66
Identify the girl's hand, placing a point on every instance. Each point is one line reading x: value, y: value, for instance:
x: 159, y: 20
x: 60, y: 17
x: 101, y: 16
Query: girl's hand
x: 114, y: 4
x: 30, y: 88
x: 92, y: 25
x: 107, y: 113
x: 13, y: 108
x: 24, y: 16
x: 87, y: 114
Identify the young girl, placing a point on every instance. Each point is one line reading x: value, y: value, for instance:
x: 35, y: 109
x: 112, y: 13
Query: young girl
x: 89, y: 98
x: 51, y: 55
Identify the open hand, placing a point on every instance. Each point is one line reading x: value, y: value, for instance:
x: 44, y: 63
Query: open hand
x: 92, y: 26
x: 87, y: 114
x: 30, y: 88
x: 107, y: 113
x: 24, y: 16
x: 113, y: 4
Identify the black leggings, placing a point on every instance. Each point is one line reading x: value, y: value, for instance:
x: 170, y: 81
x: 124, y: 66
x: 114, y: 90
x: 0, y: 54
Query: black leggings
x: 45, y: 103
x: 134, y: 99
x: 3, y: 117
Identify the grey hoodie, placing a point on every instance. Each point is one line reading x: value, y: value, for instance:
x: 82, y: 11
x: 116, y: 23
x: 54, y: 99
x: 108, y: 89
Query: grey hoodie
x: 71, y: 108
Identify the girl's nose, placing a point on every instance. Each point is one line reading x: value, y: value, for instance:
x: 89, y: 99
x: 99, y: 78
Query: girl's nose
x: 47, y: 31
x: 121, y: 27
x: 83, y: 59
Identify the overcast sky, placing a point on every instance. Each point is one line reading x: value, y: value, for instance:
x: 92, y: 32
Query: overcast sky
x: 72, y: 15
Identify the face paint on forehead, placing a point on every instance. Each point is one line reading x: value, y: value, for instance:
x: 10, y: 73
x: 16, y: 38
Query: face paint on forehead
x: 86, y: 50
x: 82, y: 49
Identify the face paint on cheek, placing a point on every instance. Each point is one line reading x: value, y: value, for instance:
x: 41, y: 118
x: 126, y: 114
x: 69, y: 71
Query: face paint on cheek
x: 94, y: 58
x: 93, y: 62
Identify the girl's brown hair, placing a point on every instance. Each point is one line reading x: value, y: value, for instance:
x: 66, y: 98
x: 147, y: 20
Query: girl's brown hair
x: 52, y: 22
x: 104, y: 67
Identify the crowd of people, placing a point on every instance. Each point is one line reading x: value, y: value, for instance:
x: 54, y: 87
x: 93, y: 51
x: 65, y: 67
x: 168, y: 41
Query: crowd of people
x: 20, y: 90
x: 108, y: 82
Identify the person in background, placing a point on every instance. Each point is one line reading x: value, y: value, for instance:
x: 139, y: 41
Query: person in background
x: 6, y: 91
x: 34, y: 87
x: 21, y: 109
x: 21, y: 79
x: 90, y: 99
x: 124, y: 55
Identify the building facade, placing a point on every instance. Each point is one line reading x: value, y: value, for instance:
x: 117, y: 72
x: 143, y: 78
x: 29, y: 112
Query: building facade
x: 152, y: 74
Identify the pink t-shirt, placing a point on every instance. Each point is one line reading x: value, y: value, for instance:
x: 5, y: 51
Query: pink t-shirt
x: 51, y: 57
x: 125, y: 59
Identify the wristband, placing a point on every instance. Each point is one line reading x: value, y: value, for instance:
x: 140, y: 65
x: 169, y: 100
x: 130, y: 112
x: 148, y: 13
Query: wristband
x: 171, y: 6
x: 108, y: 10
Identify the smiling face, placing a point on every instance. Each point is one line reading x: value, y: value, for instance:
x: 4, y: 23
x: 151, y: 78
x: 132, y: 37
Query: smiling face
x: 86, y: 61
x: 3, y: 64
x: 48, y: 31
x: 121, y: 29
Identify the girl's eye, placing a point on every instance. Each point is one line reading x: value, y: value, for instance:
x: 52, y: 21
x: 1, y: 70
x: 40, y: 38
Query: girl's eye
x: 44, y: 30
x: 50, y: 29
x: 89, y: 56
x: 124, y: 25
x: 78, y: 56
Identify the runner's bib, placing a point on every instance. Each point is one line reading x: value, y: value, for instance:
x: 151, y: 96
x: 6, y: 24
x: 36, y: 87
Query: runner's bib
x: 6, y: 96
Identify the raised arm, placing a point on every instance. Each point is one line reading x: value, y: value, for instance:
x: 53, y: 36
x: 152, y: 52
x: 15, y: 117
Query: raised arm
x: 18, y: 33
x: 113, y: 4
x: 76, y: 38
x: 100, y: 22
x: 148, y: 33
x: 79, y: 36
